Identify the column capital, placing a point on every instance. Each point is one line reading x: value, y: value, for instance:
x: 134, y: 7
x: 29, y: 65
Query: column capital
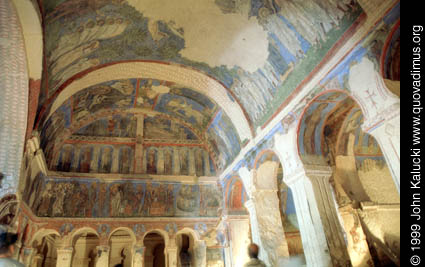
x: 388, y: 114
x: 249, y: 204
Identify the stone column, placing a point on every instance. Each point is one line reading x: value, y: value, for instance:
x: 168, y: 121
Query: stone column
x: 255, y: 231
x: 312, y: 234
x: 358, y: 248
x: 102, y: 256
x: 200, y: 251
x: 138, y: 252
x: 326, y: 204
x: 28, y: 256
x: 37, y: 260
x: 64, y: 257
x: 381, y: 111
x: 171, y: 256
x: 270, y: 224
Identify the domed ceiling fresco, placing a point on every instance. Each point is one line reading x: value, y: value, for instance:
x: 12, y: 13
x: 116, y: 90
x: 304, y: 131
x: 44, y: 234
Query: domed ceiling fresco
x: 259, y: 51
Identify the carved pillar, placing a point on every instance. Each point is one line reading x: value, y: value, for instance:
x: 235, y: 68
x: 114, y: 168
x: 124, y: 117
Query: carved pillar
x: 255, y: 230
x: 191, y: 155
x: 138, y: 252
x: 270, y: 224
x: 37, y: 260
x: 95, y: 159
x: 171, y: 256
x: 102, y: 256
x: 313, y: 237
x: 358, y: 248
x: 64, y: 257
x: 332, y: 225
x: 200, y: 250
x: 381, y: 110
x: 29, y: 253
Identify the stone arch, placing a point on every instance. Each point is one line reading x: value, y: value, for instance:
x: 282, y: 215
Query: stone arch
x: 8, y: 209
x: 42, y: 233
x: 190, y: 231
x: 197, y: 252
x: 86, y: 229
x: 126, y: 229
x: 272, y: 160
x: 391, y: 52
x: 338, y: 155
x: 13, y: 96
x: 161, y: 232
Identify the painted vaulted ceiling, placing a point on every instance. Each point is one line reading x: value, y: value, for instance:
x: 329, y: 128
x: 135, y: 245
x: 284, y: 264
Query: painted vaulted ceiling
x: 185, y: 73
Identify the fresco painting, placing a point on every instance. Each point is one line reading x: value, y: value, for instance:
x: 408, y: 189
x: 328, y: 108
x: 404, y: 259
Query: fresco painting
x: 120, y: 158
x: 126, y: 156
x: 287, y: 208
x: 151, y: 160
x: 299, y: 36
x: 93, y: 198
x: 85, y: 159
x: 109, y: 95
x: 185, y: 109
x: 225, y: 142
x: 66, y: 157
x: 371, y: 46
x: 115, y: 126
x: 112, y: 102
x: 158, y: 127
x: 105, y: 159
x: 235, y: 197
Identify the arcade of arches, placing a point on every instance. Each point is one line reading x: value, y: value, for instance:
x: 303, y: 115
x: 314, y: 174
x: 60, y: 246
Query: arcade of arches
x: 159, y: 132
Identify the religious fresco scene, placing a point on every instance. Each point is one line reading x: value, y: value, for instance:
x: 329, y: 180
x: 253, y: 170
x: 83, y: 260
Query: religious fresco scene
x: 159, y: 133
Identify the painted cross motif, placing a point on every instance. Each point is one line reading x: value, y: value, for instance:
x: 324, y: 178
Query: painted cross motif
x: 370, y: 97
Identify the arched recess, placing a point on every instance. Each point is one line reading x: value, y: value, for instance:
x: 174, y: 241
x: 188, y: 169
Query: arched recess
x: 348, y: 171
x: 390, y: 60
x: 84, y: 242
x: 44, y: 243
x: 121, y: 241
x: 155, y: 242
x: 13, y: 97
x: 187, y: 248
x: 8, y: 209
x: 235, y: 196
x: 173, y: 73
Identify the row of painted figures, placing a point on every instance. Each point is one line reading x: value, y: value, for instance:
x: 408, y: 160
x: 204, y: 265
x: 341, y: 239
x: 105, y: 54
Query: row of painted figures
x: 157, y: 160
x: 66, y: 198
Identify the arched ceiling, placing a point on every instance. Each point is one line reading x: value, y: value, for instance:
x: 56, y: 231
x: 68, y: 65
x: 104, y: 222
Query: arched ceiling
x: 211, y: 71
